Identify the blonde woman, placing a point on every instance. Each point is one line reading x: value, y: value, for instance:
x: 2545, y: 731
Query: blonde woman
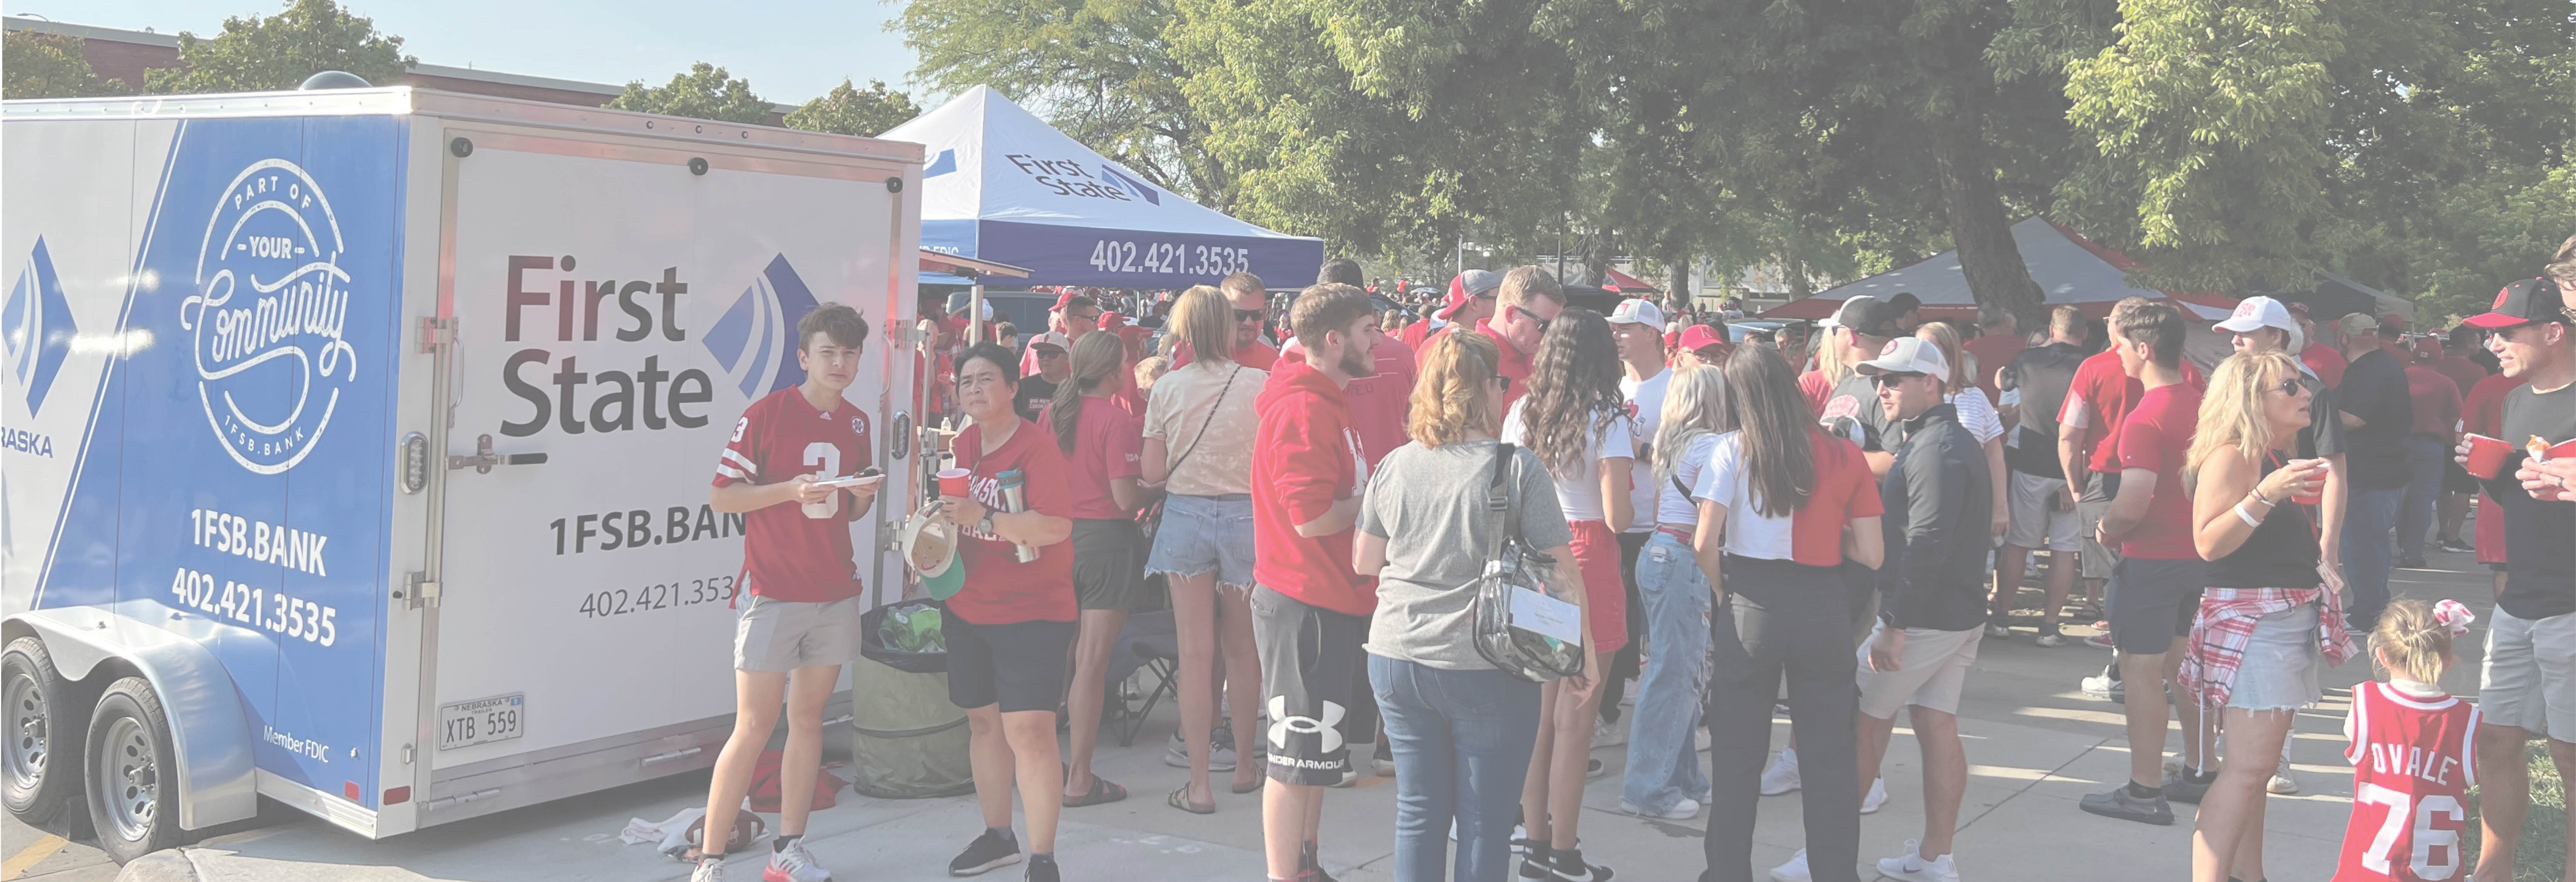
x: 1461, y: 731
x: 1664, y: 778
x: 1198, y: 449
x: 2265, y: 605
x: 1978, y: 416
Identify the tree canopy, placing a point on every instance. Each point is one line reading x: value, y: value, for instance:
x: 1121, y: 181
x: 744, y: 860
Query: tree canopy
x: 277, y: 52
x: 704, y: 92
x: 847, y: 110
x: 40, y: 65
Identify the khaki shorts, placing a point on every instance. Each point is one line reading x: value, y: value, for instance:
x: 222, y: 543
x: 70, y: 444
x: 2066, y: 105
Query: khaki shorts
x: 1931, y: 670
x: 2035, y: 522
x: 778, y: 636
x: 2530, y: 677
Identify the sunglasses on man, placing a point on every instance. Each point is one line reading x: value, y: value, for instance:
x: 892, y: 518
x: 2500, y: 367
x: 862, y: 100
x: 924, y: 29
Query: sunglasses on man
x: 1894, y: 377
x: 1532, y: 316
x: 1248, y: 315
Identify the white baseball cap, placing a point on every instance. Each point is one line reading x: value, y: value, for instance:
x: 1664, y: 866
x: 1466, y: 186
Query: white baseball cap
x: 1637, y: 311
x: 1907, y: 355
x: 2258, y: 312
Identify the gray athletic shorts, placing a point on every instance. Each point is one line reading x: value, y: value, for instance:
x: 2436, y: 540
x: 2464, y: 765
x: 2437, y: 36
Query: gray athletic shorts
x: 777, y: 636
x: 2035, y: 521
x: 2530, y: 677
x: 2089, y: 507
x: 1310, y: 664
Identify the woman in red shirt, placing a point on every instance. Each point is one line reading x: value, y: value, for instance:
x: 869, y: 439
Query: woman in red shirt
x: 1010, y: 625
x: 1099, y: 441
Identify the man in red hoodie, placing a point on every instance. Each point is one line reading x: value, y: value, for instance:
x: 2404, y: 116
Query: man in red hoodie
x: 1310, y: 610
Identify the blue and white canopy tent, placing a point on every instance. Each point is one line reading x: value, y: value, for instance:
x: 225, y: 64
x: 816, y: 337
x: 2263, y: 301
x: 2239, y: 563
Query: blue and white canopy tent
x: 1005, y: 187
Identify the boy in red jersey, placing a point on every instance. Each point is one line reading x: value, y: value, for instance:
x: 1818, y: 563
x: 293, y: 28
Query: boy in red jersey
x: 802, y: 623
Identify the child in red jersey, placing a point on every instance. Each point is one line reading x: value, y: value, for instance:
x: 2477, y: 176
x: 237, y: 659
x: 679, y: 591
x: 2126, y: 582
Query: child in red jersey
x: 801, y: 621
x: 2413, y: 753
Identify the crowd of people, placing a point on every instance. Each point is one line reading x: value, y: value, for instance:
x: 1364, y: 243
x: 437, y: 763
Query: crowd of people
x: 1324, y: 495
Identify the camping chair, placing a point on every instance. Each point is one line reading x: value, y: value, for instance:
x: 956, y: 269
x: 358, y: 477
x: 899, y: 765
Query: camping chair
x: 1152, y: 643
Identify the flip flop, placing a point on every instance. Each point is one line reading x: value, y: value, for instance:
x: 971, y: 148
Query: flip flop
x: 1102, y: 791
x: 1180, y: 799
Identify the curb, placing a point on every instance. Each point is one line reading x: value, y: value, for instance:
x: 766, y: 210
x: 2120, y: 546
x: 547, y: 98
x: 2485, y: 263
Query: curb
x: 168, y: 865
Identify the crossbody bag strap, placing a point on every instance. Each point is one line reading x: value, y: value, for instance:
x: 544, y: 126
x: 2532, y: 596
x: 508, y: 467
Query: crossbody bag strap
x: 1203, y: 426
x: 1498, y: 499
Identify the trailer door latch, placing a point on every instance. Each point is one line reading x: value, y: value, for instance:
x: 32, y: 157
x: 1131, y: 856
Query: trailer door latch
x: 484, y: 459
x: 417, y: 590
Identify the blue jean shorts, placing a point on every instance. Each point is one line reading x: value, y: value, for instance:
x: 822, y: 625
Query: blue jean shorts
x: 1205, y: 534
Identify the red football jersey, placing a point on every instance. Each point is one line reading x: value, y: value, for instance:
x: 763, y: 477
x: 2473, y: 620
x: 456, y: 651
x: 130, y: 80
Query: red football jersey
x: 794, y: 551
x: 2413, y: 763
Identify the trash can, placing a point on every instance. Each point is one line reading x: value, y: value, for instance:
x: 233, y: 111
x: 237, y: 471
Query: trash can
x: 911, y: 743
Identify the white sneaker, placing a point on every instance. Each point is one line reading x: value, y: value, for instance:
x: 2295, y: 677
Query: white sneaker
x: 1793, y: 871
x: 1681, y: 811
x: 1998, y: 632
x: 709, y: 870
x: 1911, y: 866
x: 2098, y: 685
x: 794, y: 864
x: 2051, y: 641
x: 1877, y: 798
x: 1608, y: 734
x: 1782, y: 777
x: 2282, y: 783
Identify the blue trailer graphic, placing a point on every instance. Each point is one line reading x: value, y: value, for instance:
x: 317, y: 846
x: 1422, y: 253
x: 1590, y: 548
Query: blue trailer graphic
x: 252, y: 395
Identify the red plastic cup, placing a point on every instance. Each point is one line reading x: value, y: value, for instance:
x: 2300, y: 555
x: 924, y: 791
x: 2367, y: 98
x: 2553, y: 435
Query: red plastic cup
x: 952, y: 482
x: 2560, y: 450
x: 2486, y: 455
x: 2313, y: 497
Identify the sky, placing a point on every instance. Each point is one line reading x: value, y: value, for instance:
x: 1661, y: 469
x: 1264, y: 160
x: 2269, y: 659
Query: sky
x: 790, y: 50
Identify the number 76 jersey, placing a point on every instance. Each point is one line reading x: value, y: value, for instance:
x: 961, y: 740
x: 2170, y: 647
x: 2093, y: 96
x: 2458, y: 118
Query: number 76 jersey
x: 2413, y: 762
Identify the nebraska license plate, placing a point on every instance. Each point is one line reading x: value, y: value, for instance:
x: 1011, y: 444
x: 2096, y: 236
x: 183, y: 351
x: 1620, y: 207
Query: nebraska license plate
x: 481, y: 721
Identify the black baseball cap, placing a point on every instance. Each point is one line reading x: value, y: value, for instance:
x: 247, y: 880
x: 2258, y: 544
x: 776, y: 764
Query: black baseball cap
x: 2526, y: 300
x: 1905, y: 302
x: 1876, y: 318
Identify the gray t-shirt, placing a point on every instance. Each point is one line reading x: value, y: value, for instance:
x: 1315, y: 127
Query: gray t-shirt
x: 1429, y: 505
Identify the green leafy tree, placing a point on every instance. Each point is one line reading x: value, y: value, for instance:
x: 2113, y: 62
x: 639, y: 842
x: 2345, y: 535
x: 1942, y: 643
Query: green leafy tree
x: 279, y: 51
x: 705, y: 92
x: 40, y: 65
x: 847, y: 110
x: 1099, y: 70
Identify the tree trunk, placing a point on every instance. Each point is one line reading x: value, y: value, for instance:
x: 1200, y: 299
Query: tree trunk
x: 1997, y: 277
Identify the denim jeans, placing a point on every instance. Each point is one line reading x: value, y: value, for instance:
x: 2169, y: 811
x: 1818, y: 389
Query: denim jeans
x: 1462, y: 742
x: 2425, y: 455
x: 2366, y: 521
x: 1663, y: 761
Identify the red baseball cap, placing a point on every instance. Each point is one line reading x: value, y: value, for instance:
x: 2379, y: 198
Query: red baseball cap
x: 1698, y: 337
x: 1472, y: 283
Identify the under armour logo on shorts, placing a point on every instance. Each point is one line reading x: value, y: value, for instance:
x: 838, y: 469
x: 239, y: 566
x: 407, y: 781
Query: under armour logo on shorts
x: 1281, y: 724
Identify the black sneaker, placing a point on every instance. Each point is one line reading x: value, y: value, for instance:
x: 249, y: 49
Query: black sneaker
x: 996, y: 848
x: 1042, y: 869
x: 1534, y: 864
x: 2120, y: 804
x: 1568, y: 866
x: 2181, y: 786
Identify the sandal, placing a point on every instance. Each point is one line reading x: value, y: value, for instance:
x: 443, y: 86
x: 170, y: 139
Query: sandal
x: 1102, y: 791
x: 1180, y: 799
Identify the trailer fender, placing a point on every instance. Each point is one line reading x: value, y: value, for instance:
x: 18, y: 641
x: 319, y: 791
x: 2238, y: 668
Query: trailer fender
x: 217, y: 776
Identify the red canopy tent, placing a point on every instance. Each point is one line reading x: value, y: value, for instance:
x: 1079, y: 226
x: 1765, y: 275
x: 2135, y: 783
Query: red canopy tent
x: 1625, y: 283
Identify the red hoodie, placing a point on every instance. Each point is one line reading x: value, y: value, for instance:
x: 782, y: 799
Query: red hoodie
x: 1305, y: 458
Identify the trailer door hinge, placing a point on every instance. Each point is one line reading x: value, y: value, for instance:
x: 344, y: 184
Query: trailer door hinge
x: 889, y: 535
x: 436, y: 332
x: 417, y: 590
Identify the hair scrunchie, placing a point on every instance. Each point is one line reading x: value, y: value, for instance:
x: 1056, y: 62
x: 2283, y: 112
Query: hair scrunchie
x: 2453, y: 615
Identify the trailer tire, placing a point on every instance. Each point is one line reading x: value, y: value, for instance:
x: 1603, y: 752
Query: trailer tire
x: 41, y: 778
x: 133, y: 793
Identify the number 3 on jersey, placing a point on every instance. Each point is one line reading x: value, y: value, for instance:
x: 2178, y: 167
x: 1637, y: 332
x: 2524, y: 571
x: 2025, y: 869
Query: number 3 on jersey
x: 823, y: 461
x: 2425, y: 839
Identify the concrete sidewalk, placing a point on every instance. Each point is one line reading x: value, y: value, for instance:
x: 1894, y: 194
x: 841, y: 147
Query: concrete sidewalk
x: 2035, y: 743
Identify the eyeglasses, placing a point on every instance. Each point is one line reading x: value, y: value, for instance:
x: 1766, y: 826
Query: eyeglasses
x: 2288, y: 387
x: 1093, y: 318
x: 1894, y: 377
x: 1532, y: 316
x: 1247, y: 315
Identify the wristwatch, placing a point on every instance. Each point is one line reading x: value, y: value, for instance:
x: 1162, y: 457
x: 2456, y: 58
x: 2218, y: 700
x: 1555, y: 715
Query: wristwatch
x: 1888, y: 618
x: 985, y: 526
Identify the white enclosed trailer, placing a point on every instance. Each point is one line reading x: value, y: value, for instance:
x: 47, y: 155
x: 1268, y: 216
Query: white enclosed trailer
x: 357, y: 443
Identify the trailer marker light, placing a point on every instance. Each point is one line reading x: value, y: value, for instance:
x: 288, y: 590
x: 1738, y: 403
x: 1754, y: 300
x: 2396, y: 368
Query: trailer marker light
x: 350, y: 790
x: 397, y: 795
